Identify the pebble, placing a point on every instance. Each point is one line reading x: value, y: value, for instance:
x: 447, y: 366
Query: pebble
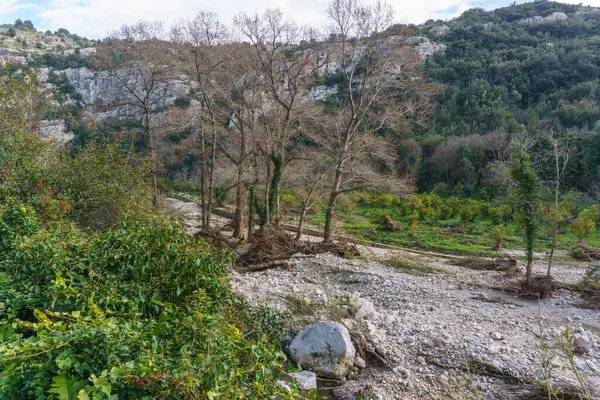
x: 359, y: 362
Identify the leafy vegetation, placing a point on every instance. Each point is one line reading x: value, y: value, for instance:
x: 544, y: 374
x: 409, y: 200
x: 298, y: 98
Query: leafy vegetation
x: 437, y: 223
x: 102, y: 298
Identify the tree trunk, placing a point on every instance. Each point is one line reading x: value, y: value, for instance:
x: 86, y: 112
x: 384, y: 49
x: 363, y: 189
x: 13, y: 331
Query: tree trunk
x: 203, y: 176
x: 211, y: 174
x: 274, y: 189
x: 498, y: 245
x: 267, y: 189
x: 555, y: 218
x: 305, y: 208
x: 329, y: 215
x: 251, y: 209
x: 153, y: 158
x: 529, y: 260
x: 238, y: 227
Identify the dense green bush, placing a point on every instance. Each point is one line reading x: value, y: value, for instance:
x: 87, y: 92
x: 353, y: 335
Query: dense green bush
x: 499, y: 214
x: 136, y: 311
x: 105, y: 181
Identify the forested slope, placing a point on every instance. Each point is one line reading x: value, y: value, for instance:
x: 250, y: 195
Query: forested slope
x: 507, y: 71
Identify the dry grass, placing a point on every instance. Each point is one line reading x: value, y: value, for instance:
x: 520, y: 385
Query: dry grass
x: 506, y: 265
x: 412, y: 266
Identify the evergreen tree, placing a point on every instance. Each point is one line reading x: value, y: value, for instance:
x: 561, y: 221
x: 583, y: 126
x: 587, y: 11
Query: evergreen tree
x: 527, y: 194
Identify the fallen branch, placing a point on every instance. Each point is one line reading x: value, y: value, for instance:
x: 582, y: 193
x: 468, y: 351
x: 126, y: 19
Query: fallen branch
x: 267, y: 265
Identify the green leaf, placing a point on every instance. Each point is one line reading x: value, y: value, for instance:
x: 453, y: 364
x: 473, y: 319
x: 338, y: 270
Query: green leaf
x: 60, y: 387
x: 66, y: 388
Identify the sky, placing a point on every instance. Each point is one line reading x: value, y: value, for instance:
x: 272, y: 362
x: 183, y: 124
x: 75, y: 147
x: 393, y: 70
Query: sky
x: 96, y: 18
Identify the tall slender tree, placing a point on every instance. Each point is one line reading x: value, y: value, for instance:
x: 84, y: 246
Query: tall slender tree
x: 137, y: 56
x: 527, y: 194
x: 382, y: 85
x: 289, y: 69
x: 560, y: 157
x: 202, y: 53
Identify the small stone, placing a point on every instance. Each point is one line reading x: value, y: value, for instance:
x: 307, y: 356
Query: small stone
x: 359, y: 362
x: 581, y: 344
x: 496, y: 335
x: 443, y: 380
x: 421, y: 360
x: 284, y: 386
x: 306, y: 380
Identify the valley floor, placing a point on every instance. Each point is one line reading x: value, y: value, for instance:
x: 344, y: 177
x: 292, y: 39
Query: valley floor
x: 442, y: 331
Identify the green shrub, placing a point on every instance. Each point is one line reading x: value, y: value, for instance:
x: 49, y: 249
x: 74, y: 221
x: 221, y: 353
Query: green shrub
x: 384, y: 200
x: 136, y: 311
x: 363, y: 198
x: 17, y: 223
x: 499, y: 214
x: 344, y: 203
x: 182, y: 102
x: 469, y: 211
x: 498, y: 234
x: 584, y: 224
x: 105, y: 182
x: 413, y: 223
x: 288, y: 200
x: 454, y: 204
x: 590, y: 284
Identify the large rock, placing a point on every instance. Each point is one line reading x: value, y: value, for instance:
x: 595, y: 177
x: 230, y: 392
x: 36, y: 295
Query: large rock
x: 325, y: 348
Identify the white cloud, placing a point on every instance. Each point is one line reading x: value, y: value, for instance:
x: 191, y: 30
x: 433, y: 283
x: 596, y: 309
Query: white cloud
x: 96, y: 18
x: 14, y: 6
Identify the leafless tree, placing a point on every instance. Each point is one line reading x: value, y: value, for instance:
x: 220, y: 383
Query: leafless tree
x: 240, y: 92
x: 383, y: 85
x: 561, y: 152
x: 288, y: 69
x: 136, y: 57
x: 202, y: 52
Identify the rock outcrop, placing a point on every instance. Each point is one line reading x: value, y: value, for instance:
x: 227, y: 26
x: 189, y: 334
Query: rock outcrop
x: 440, y: 30
x: 425, y: 47
x: 56, y: 129
x: 554, y: 17
x: 325, y: 348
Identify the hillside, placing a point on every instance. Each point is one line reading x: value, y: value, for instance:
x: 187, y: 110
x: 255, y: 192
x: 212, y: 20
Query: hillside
x: 526, y: 69
x: 257, y: 211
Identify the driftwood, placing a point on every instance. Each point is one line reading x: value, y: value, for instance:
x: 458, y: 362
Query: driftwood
x: 586, y: 253
x: 267, y: 265
x: 390, y: 225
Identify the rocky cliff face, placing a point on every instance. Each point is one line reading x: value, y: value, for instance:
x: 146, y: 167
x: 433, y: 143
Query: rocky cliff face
x: 552, y: 18
x: 102, y: 96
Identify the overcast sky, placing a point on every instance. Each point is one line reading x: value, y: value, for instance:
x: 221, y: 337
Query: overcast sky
x: 95, y: 18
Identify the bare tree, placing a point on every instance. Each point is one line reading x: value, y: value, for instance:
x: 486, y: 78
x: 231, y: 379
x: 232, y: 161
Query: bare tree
x: 383, y: 85
x: 240, y: 95
x: 202, y: 52
x: 560, y: 157
x: 136, y: 57
x: 288, y: 69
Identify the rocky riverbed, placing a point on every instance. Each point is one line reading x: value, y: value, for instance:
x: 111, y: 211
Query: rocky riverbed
x: 435, y: 330
x: 446, y: 334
